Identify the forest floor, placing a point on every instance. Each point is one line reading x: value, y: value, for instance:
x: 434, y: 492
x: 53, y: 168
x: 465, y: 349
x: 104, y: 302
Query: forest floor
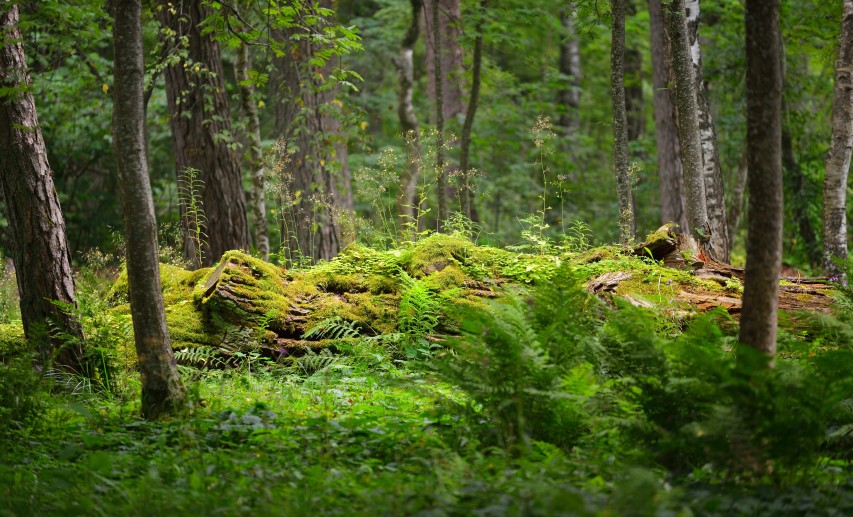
x: 473, y: 382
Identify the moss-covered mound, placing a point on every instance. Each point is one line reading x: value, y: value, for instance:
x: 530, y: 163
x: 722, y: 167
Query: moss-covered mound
x: 245, y: 304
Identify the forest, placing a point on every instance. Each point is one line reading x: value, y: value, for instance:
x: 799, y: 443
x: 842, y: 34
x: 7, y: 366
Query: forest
x: 426, y: 257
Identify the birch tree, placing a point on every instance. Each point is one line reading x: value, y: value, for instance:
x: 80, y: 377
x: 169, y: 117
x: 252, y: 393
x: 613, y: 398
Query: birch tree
x: 838, y: 158
x: 688, y: 121
x: 718, y: 243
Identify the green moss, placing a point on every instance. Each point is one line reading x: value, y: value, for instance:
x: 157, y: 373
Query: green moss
x: 11, y: 338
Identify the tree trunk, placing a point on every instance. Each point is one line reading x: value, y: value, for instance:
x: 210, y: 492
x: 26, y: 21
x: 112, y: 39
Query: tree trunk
x: 162, y: 392
x: 688, y: 121
x: 620, y: 123
x: 408, y: 200
x: 672, y: 204
x: 568, y: 98
x: 464, y: 159
x: 764, y: 162
x: 39, y: 246
x: 438, y: 75
x: 838, y: 158
x: 256, y: 160
x: 201, y: 133
x: 718, y: 244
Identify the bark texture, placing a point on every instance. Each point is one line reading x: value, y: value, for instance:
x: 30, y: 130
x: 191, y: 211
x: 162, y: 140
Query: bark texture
x: 620, y: 122
x: 407, y: 203
x: 672, y: 203
x: 202, y: 133
x: 255, y: 154
x: 718, y: 245
x: 838, y: 158
x: 688, y: 121
x: 36, y: 227
x: 568, y: 98
x: 440, y: 107
x: 162, y: 392
x: 764, y: 162
x: 465, y: 193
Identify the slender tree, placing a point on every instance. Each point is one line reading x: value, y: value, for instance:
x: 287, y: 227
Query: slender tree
x: 37, y: 228
x: 201, y: 130
x: 441, y: 181
x: 464, y: 157
x: 256, y: 162
x: 620, y: 122
x: 838, y: 158
x: 672, y: 203
x: 162, y: 392
x: 718, y: 243
x: 688, y: 121
x: 408, y: 199
x: 764, y: 183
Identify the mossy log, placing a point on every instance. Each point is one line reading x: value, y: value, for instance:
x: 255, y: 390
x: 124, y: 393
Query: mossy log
x: 245, y: 304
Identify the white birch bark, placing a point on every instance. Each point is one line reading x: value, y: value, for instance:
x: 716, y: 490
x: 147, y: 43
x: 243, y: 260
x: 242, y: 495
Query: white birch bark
x: 838, y: 158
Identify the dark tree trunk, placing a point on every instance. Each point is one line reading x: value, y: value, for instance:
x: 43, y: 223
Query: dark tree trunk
x: 568, y: 98
x: 438, y: 75
x: 838, y: 158
x: 256, y: 160
x: 620, y: 130
x: 310, y: 193
x: 464, y: 157
x: 718, y: 244
x: 407, y: 208
x: 36, y: 226
x: 201, y: 129
x: 672, y: 204
x: 764, y: 162
x: 688, y: 121
x: 162, y: 392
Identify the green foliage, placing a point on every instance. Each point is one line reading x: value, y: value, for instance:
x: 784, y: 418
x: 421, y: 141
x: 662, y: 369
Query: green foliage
x: 417, y: 316
x: 195, y: 220
x: 23, y: 393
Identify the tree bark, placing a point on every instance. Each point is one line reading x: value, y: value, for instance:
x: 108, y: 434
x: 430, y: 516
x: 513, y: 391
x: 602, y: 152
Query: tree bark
x: 37, y: 228
x: 764, y: 162
x: 718, y: 244
x: 688, y: 122
x: 838, y: 158
x: 408, y: 200
x: 438, y: 75
x: 256, y: 160
x: 201, y: 132
x: 568, y: 97
x: 620, y: 123
x: 162, y: 392
x: 672, y: 204
x: 464, y: 156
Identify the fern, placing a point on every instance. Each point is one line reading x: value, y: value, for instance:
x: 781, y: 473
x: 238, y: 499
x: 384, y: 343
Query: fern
x: 313, y: 362
x: 418, y: 315
x: 202, y: 356
x: 335, y: 328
